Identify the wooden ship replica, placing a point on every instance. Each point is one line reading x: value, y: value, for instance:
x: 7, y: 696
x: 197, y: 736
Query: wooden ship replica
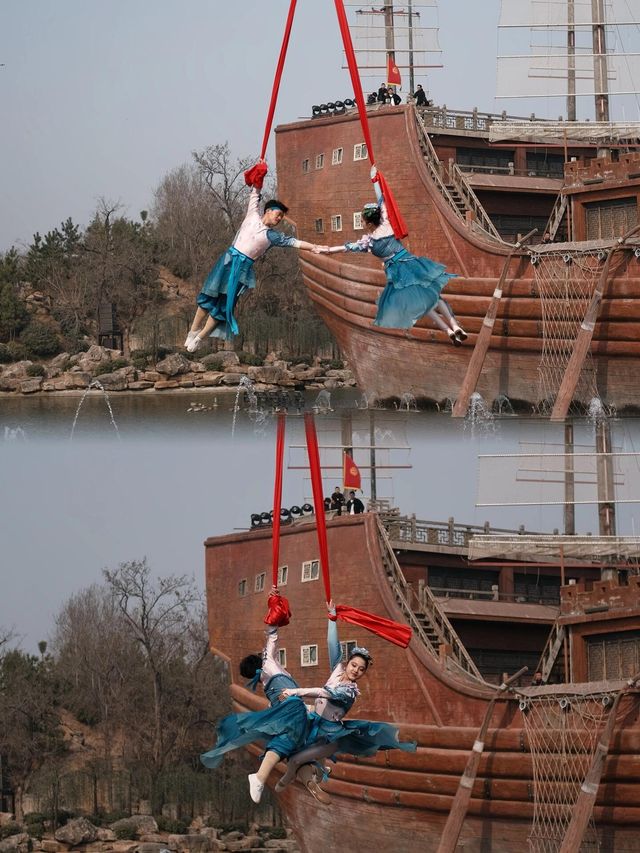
x: 499, y: 767
x: 552, y: 316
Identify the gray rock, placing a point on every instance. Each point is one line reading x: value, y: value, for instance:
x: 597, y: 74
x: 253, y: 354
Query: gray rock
x: 15, y: 844
x: 210, y: 379
x: 190, y: 843
x: 30, y: 386
x: 9, y: 384
x: 271, y: 374
x: 77, y: 831
x: 140, y: 385
x: 116, y: 381
x: 94, y: 357
x: 5, y: 818
x: 228, y: 357
x: 137, y: 824
x: 106, y: 834
x: 59, y: 361
x: 197, y: 367
x: 18, y: 370
x: 166, y: 384
x: 174, y: 364
x: 151, y: 847
x: 330, y: 384
x: 76, y: 380
x: 231, y: 378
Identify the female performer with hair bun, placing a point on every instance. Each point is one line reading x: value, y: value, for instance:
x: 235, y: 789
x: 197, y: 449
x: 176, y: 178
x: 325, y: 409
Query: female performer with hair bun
x: 414, y: 283
x: 330, y: 733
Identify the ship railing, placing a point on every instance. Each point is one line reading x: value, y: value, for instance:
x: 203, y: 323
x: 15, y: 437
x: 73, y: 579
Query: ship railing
x: 471, y: 121
x: 548, y: 599
x: 478, y: 218
x: 471, y: 201
x: 408, y: 528
x: 426, y: 617
x: 511, y: 171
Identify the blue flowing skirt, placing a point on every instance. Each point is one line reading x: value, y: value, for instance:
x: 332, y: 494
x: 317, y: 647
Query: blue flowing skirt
x: 284, y: 727
x: 356, y: 737
x: 413, y: 288
x: 230, y: 277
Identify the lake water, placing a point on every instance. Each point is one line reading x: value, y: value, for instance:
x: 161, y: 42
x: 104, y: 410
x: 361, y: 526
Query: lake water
x: 170, y: 477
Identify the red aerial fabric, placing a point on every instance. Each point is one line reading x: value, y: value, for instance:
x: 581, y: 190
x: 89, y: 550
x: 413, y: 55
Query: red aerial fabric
x: 394, y: 632
x: 277, y: 497
x: 254, y: 177
x: 393, y: 75
x: 350, y: 473
x: 278, y: 77
x: 318, y: 499
x: 395, y: 217
x: 279, y: 613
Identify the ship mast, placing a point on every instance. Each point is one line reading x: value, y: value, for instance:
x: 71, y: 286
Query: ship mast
x: 571, y: 60
x: 600, y: 71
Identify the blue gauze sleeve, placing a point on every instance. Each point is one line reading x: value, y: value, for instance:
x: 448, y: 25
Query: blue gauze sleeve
x: 333, y: 644
x: 277, y: 238
x: 378, y: 192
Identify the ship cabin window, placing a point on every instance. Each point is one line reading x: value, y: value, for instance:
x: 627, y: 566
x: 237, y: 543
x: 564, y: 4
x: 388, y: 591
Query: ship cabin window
x: 242, y: 587
x: 336, y: 222
x: 484, y: 160
x: 282, y: 657
x: 336, y: 157
x: 319, y: 161
x: 310, y: 570
x: 319, y: 226
x: 360, y: 151
x: 606, y: 220
x: 259, y: 585
x: 283, y: 575
x: 309, y: 655
x: 347, y: 648
x: 357, y: 221
x: 613, y: 656
x: 543, y: 165
x: 305, y: 165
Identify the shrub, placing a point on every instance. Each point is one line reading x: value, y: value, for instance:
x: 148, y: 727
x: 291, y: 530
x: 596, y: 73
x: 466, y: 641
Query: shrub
x: 140, y: 362
x: 35, y: 817
x: 36, y: 370
x: 174, y: 826
x: 336, y: 364
x: 40, y: 339
x: 235, y: 827
x: 36, y: 829
x: 250, y: 358
x: 16, y: 350
x: 215, y: 361
x: 10, y: 828
x: 125, y: 833
x: 111, y: 366
x: 4, y: 354
x: 278, y: 832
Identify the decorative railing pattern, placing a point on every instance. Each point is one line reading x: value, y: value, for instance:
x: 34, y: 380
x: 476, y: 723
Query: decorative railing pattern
x: 473, y: 121
x: 425, y: 616
x: 407, y: 528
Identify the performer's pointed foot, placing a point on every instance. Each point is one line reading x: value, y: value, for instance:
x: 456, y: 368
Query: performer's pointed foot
x: 454, y: 339
x: 194, y: 344
x: 317, y: 793
x: 460, y: 333
x: 190, y: 337
x: 256, y: 787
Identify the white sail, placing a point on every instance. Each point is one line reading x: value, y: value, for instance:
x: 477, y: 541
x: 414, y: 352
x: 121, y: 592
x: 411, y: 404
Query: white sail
x: 534, y: 59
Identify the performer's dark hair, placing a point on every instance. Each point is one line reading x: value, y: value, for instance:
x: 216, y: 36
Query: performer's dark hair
x: 250, y: 665
x: 279, y: 205
x: 362, y: 653
x: 372, y: 215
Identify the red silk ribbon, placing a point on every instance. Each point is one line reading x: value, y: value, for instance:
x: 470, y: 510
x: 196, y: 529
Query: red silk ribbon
x: 395, y: 217
x: 393, y: 632
x: 318, y: 499
x: 277, y: 497
x: 278, y: 76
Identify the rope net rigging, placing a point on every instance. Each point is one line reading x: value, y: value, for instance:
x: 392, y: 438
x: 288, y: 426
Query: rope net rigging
x: 562, y: 731
x: 565, y: 281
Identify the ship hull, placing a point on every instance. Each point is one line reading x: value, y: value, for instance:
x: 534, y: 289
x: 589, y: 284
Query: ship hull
x: 422, y: 360
x: 398, y: 801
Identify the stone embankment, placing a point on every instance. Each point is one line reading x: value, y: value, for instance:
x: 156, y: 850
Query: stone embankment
x: 140, y: 834
x: 175, y: 372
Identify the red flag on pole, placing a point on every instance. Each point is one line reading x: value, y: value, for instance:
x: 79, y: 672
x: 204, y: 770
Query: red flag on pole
x: 350, y: 473
x: 393, y: 75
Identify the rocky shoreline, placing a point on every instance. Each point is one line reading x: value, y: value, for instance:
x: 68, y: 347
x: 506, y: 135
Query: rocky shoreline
x: 140, y: 834
x: 104, y: 369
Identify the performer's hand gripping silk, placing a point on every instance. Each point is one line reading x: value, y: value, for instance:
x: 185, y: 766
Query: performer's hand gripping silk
x: 233, y: 273
x: 329, y: 732
x: 414, y: 284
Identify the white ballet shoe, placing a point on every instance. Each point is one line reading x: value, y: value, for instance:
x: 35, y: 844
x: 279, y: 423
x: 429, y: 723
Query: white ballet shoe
x: 194, y: 344
x: 454, y: 339
x: 460, y: 333
x: 190, y: 337
x: 256, y: 787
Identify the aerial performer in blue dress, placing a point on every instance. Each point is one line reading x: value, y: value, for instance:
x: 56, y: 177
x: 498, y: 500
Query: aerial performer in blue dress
x: 285, y: 726
x: 414, y: 284
x: 329, y: 732
x: 233, y: 273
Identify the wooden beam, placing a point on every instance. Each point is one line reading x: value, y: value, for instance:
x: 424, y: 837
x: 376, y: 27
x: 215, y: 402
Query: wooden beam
x: 584, y: 337
x: 478, y: 356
